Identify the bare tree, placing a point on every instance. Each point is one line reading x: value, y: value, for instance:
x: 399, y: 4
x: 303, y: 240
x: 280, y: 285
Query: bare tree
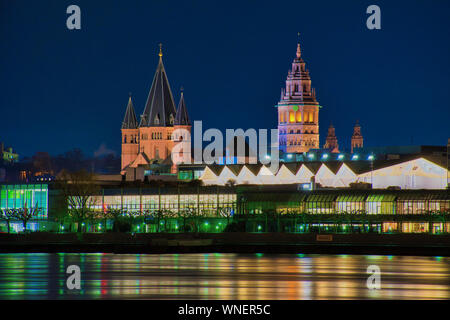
x: 7, y: 215
x: 26, y: 214
x: 81, y: 191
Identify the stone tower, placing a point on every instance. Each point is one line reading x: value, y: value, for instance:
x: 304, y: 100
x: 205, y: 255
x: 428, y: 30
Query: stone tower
x: 130, y: 136
x: 357, y: 138
x: 182, y: 133
x: 298, y: 111
x: 331, y: 142
x: 152, y: 139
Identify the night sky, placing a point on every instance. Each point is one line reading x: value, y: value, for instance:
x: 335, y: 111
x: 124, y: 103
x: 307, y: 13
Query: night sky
x: 63, y: 88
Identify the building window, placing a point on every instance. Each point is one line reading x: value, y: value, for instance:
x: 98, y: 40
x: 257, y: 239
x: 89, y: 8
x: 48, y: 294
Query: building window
x: 291, y: 117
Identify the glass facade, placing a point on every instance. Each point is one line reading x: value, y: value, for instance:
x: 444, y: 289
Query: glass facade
x: 16, y: 196
x: 381, y: 204
x: 204, y: 201
x: 320, y: 203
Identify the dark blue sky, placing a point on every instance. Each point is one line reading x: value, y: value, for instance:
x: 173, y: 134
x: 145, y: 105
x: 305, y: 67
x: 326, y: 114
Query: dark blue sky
x: 62, y: 89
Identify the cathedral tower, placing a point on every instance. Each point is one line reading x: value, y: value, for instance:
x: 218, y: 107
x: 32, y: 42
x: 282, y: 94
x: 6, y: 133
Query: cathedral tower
x: 357, y: 138
x: 298, y: 111
x: 152, y: 140
x: 130, y: 135
x: 331, y: 142
x: 182, y: 133
x: 157, y: 121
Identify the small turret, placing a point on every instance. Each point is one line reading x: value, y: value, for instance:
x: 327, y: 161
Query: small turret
x: 357, y: 138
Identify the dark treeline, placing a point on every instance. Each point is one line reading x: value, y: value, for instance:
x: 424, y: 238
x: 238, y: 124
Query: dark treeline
x: 44, y: 164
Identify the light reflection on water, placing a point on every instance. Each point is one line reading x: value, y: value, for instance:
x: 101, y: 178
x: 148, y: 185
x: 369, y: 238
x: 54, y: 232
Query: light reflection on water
x: 222, y: 276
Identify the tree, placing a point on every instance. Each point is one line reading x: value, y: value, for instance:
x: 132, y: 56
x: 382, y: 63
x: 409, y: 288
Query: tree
x: 80, y: 191
x: 26, y: 214
x: 7, y: 215
x: 184, y: 214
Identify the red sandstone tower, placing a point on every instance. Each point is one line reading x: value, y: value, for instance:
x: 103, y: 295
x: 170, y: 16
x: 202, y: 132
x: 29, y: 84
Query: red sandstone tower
x: 357, y: 138
x: 331, y: 142
x: 298, y: 111
x: 152, y: 140
x: 182, y: 134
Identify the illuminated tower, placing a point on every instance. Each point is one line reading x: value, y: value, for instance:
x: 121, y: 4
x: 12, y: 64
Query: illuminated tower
x: 152, y: 140
x: 130, y: 135
x: 182, y: 133
x: 298, y: 111
x: 158, y: 118
x: 331, y: 142
x: 357, y: 138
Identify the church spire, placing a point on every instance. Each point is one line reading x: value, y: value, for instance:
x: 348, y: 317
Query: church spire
x: 182, y: 118
x: 331, y: 141
x: 129, y: 121
x: 160, y: 106
x: 357, y: 138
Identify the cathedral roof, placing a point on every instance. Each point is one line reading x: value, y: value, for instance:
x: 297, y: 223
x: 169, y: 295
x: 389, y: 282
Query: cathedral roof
x: 129, y: 121
x: 160, y: 107
x: 182, y: 117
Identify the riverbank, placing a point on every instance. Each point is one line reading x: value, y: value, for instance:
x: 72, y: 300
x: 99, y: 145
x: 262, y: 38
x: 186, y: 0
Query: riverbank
x: 385, y: 244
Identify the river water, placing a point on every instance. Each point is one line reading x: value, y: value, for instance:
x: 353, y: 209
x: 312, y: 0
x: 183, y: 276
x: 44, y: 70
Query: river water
x: 222, y: 276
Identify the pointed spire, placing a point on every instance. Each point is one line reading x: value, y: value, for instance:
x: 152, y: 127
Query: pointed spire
x: 160, y: 106
x: 182, y: 117
x: 299, y: 52
x: 129, y: 121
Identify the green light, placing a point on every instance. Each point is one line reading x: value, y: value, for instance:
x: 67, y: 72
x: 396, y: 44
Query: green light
x: 259, y: 227
x: 295, y: 108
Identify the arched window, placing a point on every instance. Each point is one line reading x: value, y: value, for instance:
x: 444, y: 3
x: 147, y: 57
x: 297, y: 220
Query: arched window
x: 171, y: 119
x: 124, y: 139
x: 299, y: 116
x: 291, y: 116
x: 156, y: 119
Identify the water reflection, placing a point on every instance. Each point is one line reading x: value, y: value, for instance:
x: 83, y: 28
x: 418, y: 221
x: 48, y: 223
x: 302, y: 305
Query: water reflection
x: 222, y: 276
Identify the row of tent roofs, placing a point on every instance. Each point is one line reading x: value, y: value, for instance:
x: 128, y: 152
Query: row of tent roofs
x: 358, y: 167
